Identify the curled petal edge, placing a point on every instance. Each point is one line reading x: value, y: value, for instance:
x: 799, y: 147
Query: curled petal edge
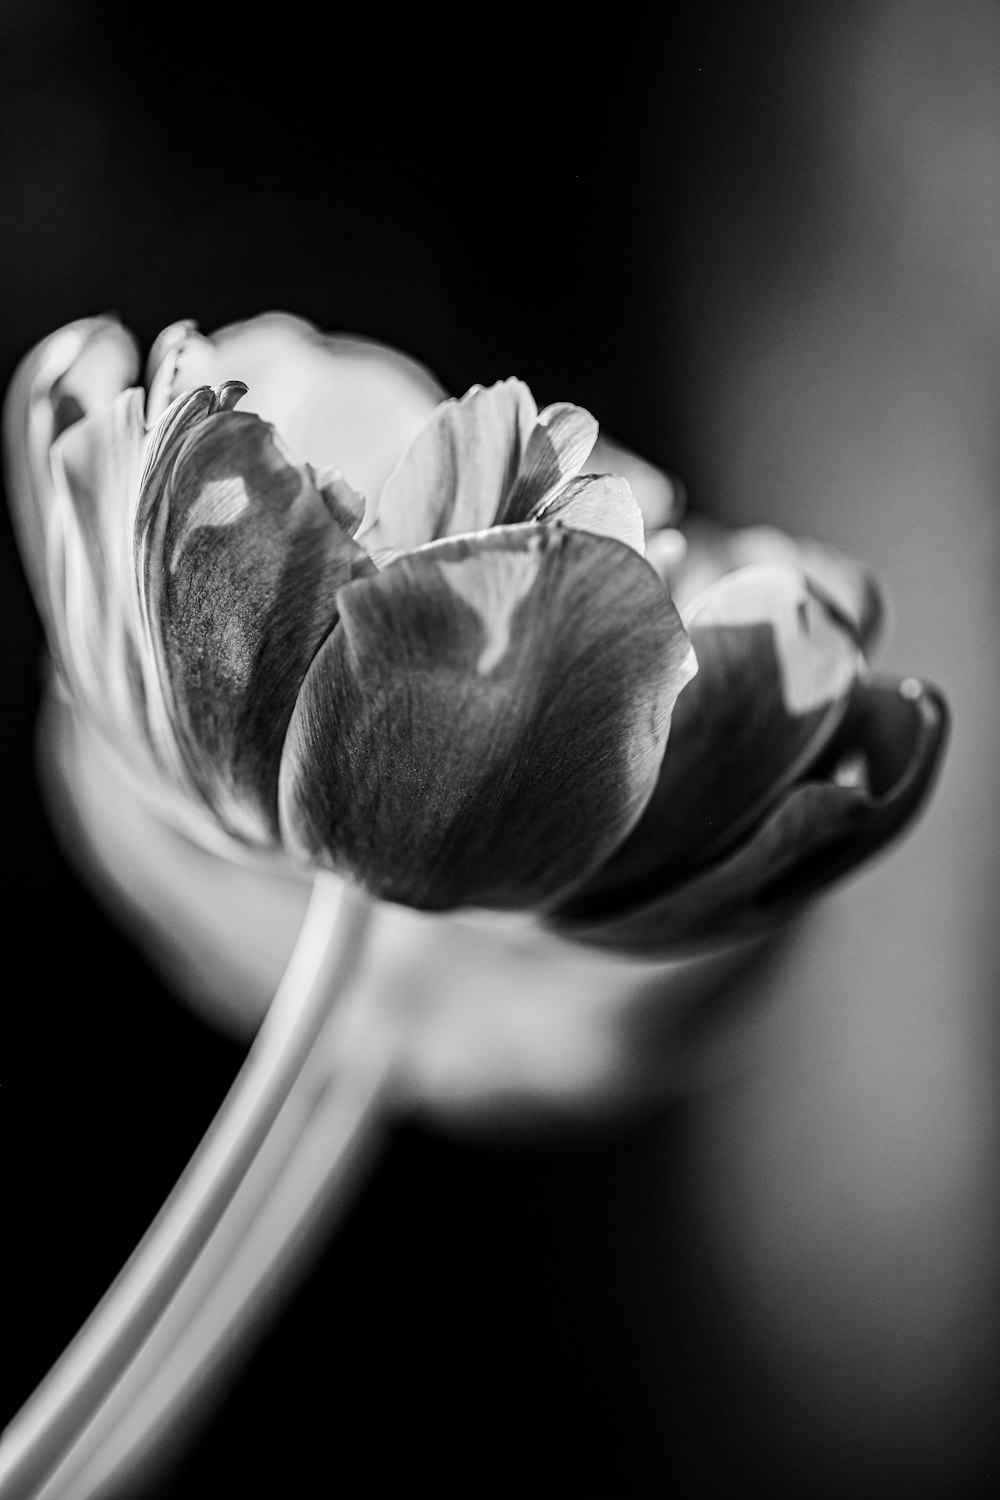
x: 826, y: 825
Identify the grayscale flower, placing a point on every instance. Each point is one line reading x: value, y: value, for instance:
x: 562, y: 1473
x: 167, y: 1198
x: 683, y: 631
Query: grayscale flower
x: 465, y: 687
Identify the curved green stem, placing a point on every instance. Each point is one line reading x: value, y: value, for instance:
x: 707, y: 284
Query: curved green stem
x: 165, y: 1295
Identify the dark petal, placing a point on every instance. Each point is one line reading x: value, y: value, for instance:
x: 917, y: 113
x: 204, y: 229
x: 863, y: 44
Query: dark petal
x: 775, y: 667
x: 487, y: 721
x: 186, y: 412
x: 455, y: 474
x: 874, y: 778
x: 242, y: 567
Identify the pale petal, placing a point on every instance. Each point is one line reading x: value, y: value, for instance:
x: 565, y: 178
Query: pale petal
x: 79, y: 369
x: 601, y: 503
x: 820, y: 830
x: 712, y: 551
x: 556, y: 451
x: 96, y: 465
x: 180, y: 360
x: 457, y: 472
x: 661, y: 497
x: 337, y: 400
x: 486, y: 723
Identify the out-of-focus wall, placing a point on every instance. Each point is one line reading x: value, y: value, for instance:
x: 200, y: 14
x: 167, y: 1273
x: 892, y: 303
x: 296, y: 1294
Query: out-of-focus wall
x: 835, y: 319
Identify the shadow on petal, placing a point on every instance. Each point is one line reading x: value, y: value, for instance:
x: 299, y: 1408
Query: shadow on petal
x: 714, y: 551
x: 556, y: 451
x: 873, y: 779
x: 242, y: 579
x: 775, y: 669
x: 486, y: 723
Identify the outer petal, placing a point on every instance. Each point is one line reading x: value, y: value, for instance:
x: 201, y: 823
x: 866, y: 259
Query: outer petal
x: 79, y: 369
x: 96, y: 465
x: 712, y: 551
x: 873, y: 779
x: 339, y: 401
x: 775, y: 667
x: 487, y: 721
x: 242, y: 566
x: 456, y: 474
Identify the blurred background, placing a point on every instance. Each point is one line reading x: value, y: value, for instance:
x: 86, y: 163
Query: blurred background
x: 759, y: 241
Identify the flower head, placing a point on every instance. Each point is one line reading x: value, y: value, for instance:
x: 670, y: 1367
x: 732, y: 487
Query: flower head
x: 430, y: 654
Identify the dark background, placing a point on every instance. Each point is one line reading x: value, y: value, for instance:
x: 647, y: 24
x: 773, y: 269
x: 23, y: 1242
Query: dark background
x: 758, y: 241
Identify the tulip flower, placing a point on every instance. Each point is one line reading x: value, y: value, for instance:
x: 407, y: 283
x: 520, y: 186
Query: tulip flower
x: 325, y: 626
x: 471, y: 709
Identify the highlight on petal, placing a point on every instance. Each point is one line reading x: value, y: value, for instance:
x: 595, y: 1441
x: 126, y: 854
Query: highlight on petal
x: 338, y: 400
x: 600, y: 503
x: 79, y: 369
x: 96, y: 466
x: 549, y: 486
x: 180, y: 360
x: 661, y: 497
x: 873, y: 780
x: 454, y: 477
x: 487, y: 721
x: 491, y: 460
x: 557, y: 449
x: 775, y: 668
x: 712, y: 551
x: 242, y: 562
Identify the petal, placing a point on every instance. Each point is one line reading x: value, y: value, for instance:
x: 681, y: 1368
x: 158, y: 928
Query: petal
x: 874, y: 779
x: 601, y: 503
x: 557, y: 449
x: 79, y: 369
x: 458, y: 470
x: 661, y: 497
x: 712, y: 551
x: 345, y: 504
x: 180, y: 360
x: 97, y: 463
x: 339, y: 401
x: 775, y: 667
x: 242, y: 566
x: 96, y: 466
x: 487, y: 720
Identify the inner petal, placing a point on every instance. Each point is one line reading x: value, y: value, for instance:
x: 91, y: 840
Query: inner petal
x: 455, y: 475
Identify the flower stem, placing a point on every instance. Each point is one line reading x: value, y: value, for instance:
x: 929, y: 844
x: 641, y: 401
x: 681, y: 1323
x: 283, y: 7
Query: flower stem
x: 283, y: 1145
